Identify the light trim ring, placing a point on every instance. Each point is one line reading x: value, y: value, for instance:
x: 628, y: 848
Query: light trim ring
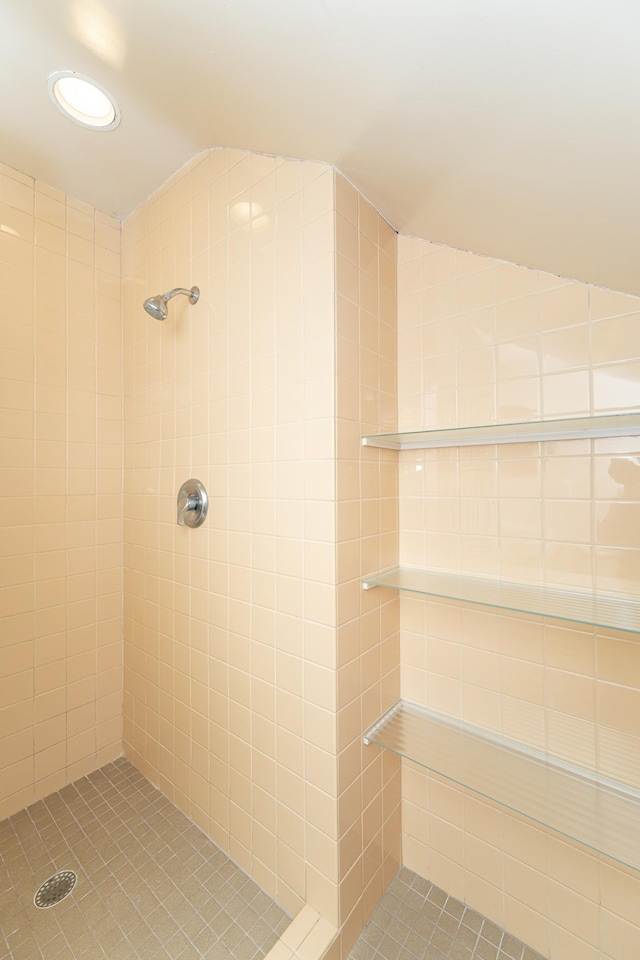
x: 83, y: 100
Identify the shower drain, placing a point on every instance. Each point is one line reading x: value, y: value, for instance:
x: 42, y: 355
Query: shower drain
x: 55, y: 889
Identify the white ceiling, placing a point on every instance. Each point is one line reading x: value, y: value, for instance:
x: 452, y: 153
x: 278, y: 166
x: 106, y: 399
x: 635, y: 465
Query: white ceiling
x: 506, y: 127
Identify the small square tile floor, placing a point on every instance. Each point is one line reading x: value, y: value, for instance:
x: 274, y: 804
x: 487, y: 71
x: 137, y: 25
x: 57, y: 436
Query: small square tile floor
x: 151, y: 885
x: 417, y: 921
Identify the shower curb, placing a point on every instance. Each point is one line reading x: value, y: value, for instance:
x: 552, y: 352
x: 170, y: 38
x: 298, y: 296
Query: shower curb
x: 308, y: 937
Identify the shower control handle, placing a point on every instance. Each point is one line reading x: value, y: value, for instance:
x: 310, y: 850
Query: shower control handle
x: 192, y: 503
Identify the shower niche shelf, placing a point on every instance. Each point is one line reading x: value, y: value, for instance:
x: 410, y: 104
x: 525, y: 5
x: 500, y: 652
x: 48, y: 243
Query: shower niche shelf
x: 612, y: 611
x: 594, y: 811
x: 573, y: 428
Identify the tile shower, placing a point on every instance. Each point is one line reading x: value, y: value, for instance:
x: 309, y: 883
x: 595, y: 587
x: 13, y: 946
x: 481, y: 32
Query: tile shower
x: 253, y: 662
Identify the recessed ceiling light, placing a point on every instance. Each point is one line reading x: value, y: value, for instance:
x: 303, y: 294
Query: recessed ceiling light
x: 83, y: 100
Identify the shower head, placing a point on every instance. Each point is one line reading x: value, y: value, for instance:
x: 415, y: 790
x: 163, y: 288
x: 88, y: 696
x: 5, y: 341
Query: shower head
x: 156, y: 307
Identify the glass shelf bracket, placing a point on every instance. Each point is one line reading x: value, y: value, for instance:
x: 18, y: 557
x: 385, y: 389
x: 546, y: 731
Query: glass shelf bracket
x: 594, y: 811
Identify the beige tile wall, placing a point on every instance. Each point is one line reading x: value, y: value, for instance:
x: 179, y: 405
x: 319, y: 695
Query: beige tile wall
x: 483, y: 341
x: 230, y: 628
x: 232, y: 665
x: 367, y: 524
x: 61, y: 476
x: 254, y: 662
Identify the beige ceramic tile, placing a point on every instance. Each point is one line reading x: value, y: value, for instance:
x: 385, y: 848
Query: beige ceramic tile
x: 555, y: 503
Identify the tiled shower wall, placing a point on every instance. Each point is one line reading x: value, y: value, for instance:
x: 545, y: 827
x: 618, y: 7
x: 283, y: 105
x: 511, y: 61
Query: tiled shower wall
x: 483, y: 342
x: 254, y: 662
x: 231, y: 654
x: 368, y: 680
x: 61, y: 501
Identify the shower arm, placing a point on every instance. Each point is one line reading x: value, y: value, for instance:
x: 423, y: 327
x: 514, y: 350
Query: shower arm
x: 191, y: 294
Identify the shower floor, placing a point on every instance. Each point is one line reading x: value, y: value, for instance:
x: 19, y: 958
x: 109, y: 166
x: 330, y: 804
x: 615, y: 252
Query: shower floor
x: 417, y: 921
x: 150, y: 885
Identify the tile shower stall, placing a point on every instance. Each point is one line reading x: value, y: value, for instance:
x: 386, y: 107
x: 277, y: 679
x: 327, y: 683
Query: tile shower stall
x: 237, y: 666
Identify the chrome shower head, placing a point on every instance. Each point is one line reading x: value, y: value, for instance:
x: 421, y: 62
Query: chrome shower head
x: 156, y: 307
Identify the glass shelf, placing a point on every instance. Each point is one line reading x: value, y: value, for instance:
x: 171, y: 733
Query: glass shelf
x: 578, y: 606
x: 574, y: 428
x: 598, y: 813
